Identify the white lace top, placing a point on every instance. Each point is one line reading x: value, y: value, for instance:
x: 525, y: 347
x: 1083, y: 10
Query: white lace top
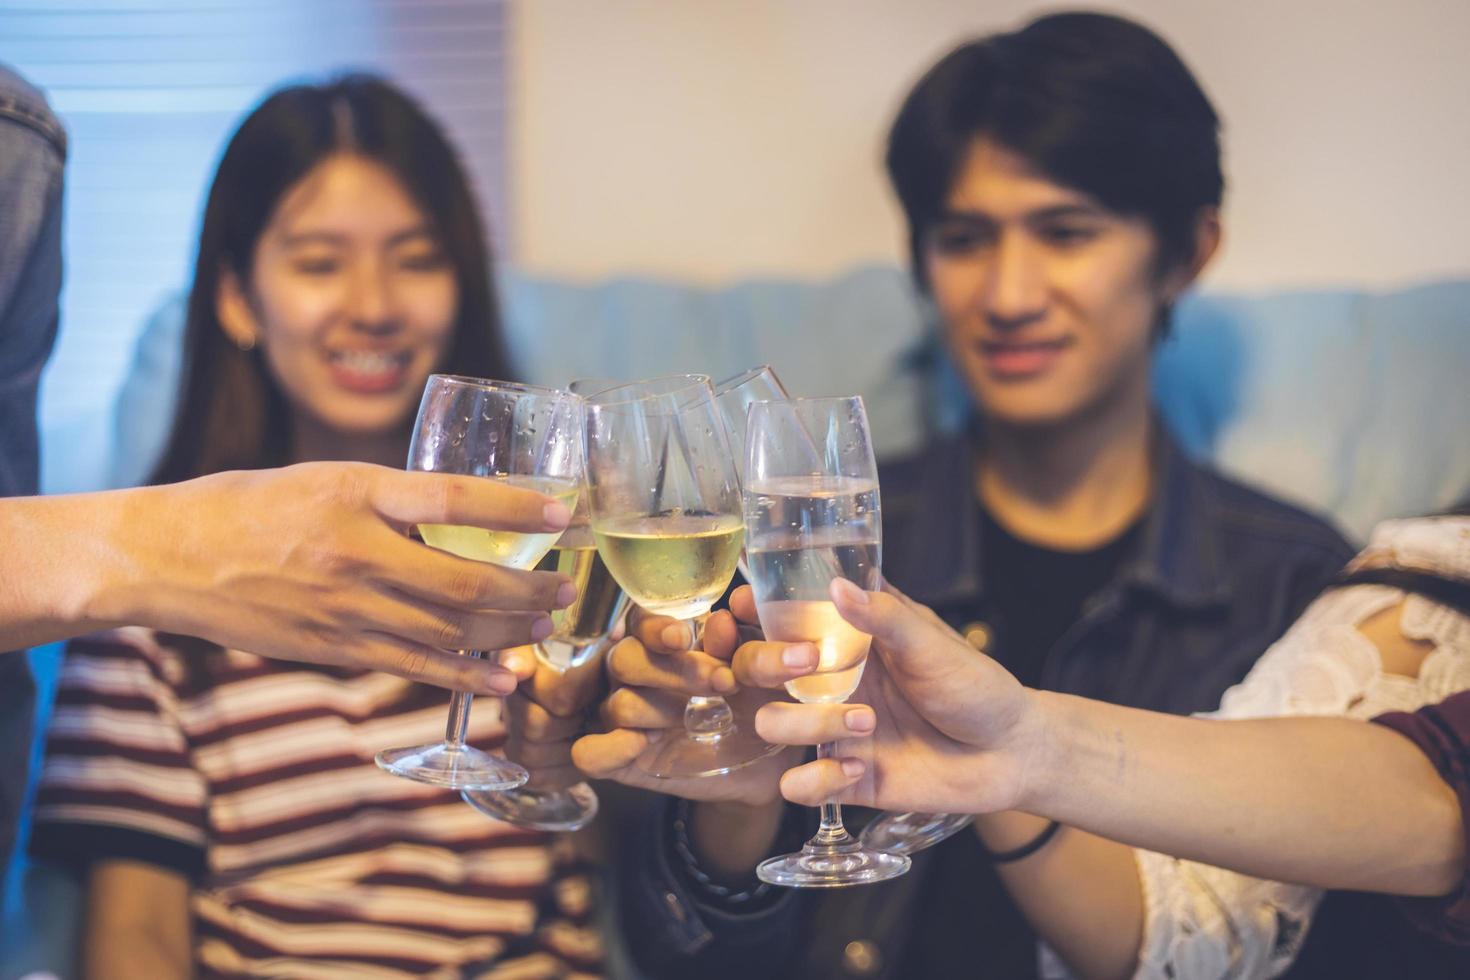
x: 1204, y: 923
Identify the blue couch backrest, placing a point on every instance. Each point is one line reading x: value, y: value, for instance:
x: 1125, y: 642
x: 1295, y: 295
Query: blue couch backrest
x: 1351, y: 403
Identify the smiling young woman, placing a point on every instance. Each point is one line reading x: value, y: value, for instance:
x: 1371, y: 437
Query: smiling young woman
x: 225, y: 810
x: 347, y: 307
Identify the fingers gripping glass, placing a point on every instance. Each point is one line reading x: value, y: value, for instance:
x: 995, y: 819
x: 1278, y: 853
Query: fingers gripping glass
x: 812, y: 515
x: 519, y: 435
x: 665, y: 505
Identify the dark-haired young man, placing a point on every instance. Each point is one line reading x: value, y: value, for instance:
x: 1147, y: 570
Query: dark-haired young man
x: 1062, y: 186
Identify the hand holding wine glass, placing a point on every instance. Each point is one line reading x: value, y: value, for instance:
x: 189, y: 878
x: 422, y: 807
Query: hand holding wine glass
x: 518, y: 435
x: 939, y: 726
x: 654, y: 673
x: 565, y: 677
x: 545, y: 715
x: 812, y: 516
x: 665, y: 505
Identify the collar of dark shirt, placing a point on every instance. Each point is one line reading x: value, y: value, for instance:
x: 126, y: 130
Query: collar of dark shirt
x: 937, y: 558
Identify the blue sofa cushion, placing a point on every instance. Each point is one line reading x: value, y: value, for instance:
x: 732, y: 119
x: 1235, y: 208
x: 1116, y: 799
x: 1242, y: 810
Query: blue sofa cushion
x: 1348, y: 402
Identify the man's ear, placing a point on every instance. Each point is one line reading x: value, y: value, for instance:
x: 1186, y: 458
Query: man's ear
x: 1207, y: 234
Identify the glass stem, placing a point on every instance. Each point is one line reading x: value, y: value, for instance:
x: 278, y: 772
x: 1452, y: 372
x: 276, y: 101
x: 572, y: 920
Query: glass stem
x: 830, y: 833
x: 459, y: 712
x: 706, y: 719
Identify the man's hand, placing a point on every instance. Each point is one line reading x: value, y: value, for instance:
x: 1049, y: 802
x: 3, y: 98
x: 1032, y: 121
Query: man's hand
x: 934, y: 726
x: 313, y: 563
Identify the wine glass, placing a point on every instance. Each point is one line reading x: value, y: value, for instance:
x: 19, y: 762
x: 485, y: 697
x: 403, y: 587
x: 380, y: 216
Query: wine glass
x: 665, y: 505
x: 520, y: 435
x: 734, y: 396
x: 580, y: 632
x: 812, y: 515
x: 909, y: 833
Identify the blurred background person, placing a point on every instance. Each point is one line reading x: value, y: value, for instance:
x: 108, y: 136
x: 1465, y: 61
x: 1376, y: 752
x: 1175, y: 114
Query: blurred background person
x: 224, y: 809
x: 180, y: 557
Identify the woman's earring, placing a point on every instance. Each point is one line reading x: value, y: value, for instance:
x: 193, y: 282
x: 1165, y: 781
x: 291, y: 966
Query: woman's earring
x: 247, y: 343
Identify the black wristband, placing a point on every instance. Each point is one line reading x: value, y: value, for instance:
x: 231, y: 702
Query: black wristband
x: 1025, y: 850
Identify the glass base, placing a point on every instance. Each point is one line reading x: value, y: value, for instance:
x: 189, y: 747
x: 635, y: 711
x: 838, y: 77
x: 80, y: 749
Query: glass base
x: 452, y: 766
x: 909, y: 833
x: 832, y: 866
x: 679, y: 755
x: 532, y: 809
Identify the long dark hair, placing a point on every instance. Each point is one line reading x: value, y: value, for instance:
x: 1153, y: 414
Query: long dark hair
x: 231, y: 414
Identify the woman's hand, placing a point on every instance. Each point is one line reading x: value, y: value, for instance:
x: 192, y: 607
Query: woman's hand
x: 934, y: 726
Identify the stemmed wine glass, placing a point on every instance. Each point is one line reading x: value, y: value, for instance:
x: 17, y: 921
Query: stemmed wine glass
x: 734, y: 396
x: 580, y: 632
x: 666, y: 515
x: 909, y: 833
x: 520, y: 435
x: 812, y: 516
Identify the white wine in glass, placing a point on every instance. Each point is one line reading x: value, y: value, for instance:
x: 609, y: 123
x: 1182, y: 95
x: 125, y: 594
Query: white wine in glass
x: 600, y: 601
x: 673, y: 564
x: 513, y: 549
x: 812, y: 516
x: 665, y: 504
x: 519, y: 435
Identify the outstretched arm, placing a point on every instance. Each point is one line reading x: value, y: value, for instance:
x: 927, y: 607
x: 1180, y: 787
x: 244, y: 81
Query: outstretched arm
x: 310, y: 562
x: 1329, y: 802
x: 1279, y: 797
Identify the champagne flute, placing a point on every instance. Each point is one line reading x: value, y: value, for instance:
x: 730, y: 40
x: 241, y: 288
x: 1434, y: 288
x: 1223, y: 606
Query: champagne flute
x: 665, y: 505
x: 580, y: 632
x: 520, y: 435
x: 812, y: 515
x: 735, y: 395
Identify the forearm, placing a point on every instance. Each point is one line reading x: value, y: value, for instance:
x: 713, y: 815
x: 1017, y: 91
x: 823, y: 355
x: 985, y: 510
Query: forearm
x: 1080, y: 893
x: 138, y: 924
x: 136, y: 954
x: 1327, y: 802
x: 64, y: 568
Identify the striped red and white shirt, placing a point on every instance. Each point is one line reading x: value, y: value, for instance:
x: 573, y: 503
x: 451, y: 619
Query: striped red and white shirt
x: 256, y: 780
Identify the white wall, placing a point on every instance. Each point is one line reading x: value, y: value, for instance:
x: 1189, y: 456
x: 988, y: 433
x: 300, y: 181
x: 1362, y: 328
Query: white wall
x: 720, y: 139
